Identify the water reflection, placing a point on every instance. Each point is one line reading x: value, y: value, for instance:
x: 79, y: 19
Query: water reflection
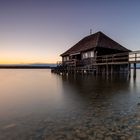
x: 26, y: 91
x: 100, y: 89
x: 35, y: 104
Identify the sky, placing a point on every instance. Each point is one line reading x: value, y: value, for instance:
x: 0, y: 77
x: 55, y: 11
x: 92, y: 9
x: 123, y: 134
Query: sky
x: 38, y: 31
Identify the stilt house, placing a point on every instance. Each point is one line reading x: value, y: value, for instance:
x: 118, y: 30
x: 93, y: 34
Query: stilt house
x: 94, y: 50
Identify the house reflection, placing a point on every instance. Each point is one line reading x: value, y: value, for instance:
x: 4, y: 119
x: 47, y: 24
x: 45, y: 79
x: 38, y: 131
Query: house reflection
x: 109, y: 93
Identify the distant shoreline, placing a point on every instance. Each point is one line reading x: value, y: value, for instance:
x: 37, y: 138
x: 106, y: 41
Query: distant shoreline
x: 136, y: 68
x: 34, y: 66
x: 25, y: 67
x: 31, y: 67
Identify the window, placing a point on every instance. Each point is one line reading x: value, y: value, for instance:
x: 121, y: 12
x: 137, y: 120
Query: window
x: 88, y: 54
x: 66, y: 58
x: 83, y: 55
x: 92, y: 53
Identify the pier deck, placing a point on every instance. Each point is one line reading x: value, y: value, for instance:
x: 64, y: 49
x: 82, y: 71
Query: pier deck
x: 101, y: 64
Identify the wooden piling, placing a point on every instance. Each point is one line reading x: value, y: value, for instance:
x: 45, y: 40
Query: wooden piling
x: 134, y: 71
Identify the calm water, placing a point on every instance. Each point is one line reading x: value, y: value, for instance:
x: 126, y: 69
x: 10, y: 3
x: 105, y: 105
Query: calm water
x: 36, y: 104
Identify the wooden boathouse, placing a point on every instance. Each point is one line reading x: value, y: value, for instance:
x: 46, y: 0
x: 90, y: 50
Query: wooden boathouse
x: 99, y: 54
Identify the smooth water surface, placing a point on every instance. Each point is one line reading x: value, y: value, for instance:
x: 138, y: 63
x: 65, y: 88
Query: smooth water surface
x: 37, y: 104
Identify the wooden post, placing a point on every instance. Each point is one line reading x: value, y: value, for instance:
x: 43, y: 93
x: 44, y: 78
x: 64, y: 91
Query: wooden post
x: 111, y: 70
x: 129, y: 70
x: 97, y: 69
x: 107, y: 70
x: 134, y: 71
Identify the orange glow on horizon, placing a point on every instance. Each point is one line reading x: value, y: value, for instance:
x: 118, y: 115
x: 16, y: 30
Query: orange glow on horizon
x: 29, y: 61
x: 13, y: 52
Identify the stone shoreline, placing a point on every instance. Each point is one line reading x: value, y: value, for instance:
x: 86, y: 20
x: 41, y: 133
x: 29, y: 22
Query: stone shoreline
x: 123, y: 127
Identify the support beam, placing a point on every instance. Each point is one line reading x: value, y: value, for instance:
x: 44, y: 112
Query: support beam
x: 107, y: 70
x: 111, y: 70
x: 134, y: 71
x: 129, y: 70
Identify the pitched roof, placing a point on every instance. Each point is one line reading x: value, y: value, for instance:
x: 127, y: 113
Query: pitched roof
x: 93, y: 41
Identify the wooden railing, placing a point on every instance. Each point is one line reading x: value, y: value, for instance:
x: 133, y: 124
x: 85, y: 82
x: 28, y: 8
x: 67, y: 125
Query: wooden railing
x: 71, y: 62
x: 113, y: 58
x: 105, y: 59
x: 132, y: 57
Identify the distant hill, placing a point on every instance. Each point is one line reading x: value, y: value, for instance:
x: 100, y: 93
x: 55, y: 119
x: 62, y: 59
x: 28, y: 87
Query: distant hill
x: 44, y: 65
x: 137, y: 65
x: 39, y: 65
x: 28, y: 66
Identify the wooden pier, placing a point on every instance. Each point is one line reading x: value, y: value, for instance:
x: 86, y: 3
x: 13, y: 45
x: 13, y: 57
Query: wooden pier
x: 104, y: 64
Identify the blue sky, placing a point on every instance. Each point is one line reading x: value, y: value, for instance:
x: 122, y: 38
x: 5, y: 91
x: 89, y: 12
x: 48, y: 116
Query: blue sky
x: 40, y: 30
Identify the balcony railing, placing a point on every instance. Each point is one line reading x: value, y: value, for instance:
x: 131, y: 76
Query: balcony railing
x: 132, y: 57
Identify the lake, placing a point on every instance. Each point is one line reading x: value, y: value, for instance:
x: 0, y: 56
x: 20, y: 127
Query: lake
x: 39, y: 105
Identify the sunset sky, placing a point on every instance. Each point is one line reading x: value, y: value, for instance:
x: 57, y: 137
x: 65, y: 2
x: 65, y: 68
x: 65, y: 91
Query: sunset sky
x: 38, y: 31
